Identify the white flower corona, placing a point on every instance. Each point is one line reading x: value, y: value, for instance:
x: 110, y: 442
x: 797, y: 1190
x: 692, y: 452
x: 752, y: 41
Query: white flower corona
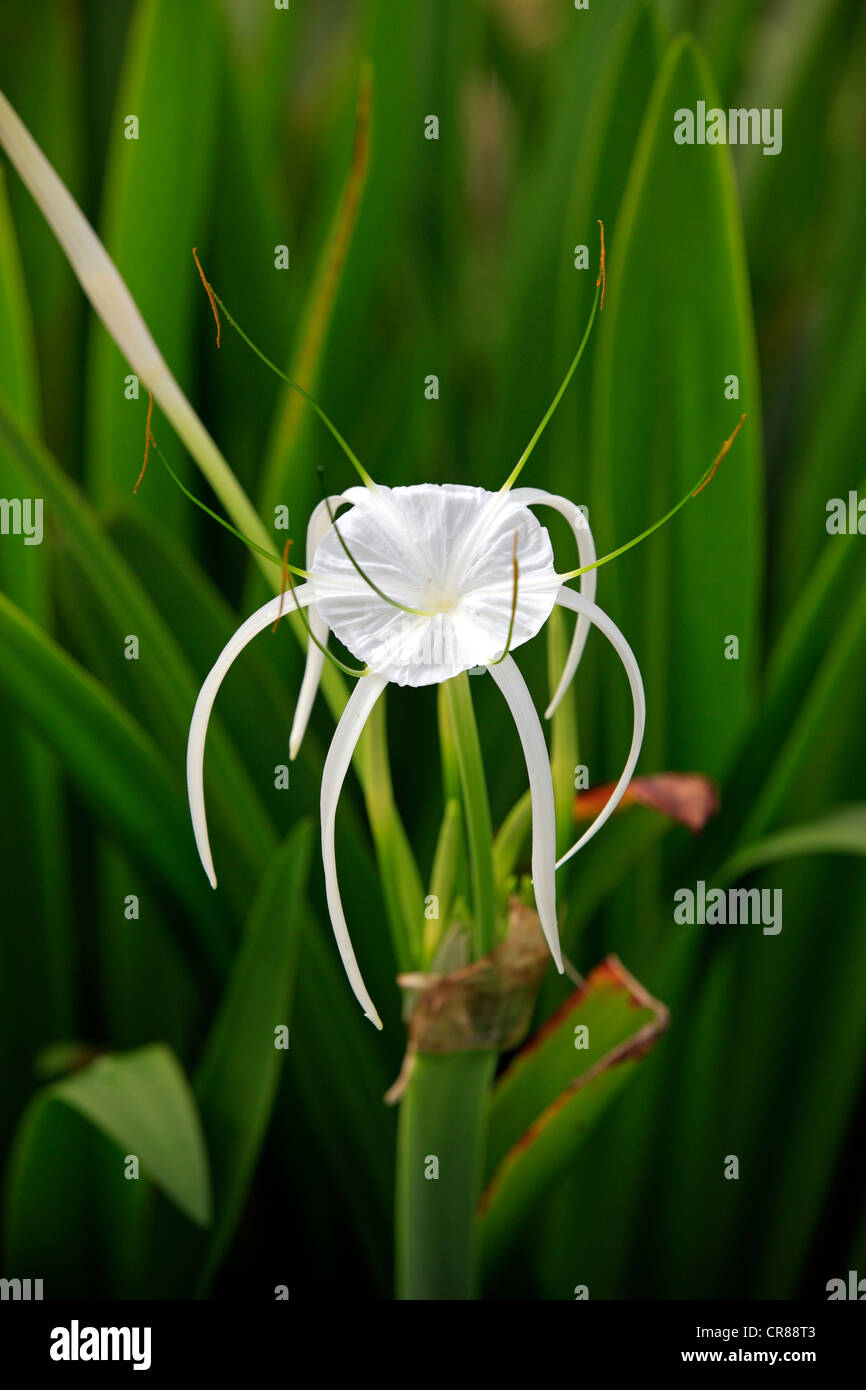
x: 445, y: 552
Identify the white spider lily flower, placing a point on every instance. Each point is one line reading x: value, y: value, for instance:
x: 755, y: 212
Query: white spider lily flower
x: 436, y: 596
x: 445, y: 554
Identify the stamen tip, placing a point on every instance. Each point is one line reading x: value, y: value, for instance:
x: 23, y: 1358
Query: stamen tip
x: 374, y: 1019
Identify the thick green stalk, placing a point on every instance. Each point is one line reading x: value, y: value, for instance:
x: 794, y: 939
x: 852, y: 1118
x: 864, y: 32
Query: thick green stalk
x: 440, y: 1160
x: 477, y: 812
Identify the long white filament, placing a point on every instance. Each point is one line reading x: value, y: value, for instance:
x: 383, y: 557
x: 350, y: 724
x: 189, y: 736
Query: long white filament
x: 317, y: 527
x: 114, y: 304
x: 533, y: 496
x: 349, y: 730
x: 578, y: 604
x: 507, y: 676
x: 256, y: 623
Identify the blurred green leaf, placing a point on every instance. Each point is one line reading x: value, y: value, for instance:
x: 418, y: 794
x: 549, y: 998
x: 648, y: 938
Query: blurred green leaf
x: 236, y: 1081
x: 165, y: 693
x: 35, y: 978
x: 116, y: 768
x: 142, y: 1102
x: 50, y: 1199
x: 839, y: 831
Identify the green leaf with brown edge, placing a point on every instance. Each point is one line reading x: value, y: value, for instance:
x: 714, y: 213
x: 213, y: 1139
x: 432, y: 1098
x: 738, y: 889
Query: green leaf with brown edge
x: 554, y: 1090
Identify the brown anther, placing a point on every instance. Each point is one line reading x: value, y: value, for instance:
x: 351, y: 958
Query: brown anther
x: 210, y: 294
x: 284, y: 583
x: 601, y: 276
x: 721, y: 454
x: 148, y: 437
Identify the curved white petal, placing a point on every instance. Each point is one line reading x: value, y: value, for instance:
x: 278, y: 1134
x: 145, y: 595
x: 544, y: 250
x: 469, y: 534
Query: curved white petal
x: 349, y: 730
x: 317, y: 527
x: 114, y: 304
x: 578, y: 604
x: 513, y: 687
x: 255, y: 624
x: 530, y: 497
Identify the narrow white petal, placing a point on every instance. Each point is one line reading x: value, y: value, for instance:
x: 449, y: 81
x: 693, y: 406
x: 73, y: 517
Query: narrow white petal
x: 513, y: 687
x: 530, y: 497
x: 255, y: 624
x: 578, y: 604
x: 348, y: 731
x: 317, y: 527
x: 114, y: 304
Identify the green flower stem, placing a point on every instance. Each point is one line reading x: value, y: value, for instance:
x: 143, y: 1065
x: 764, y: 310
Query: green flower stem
x: 401, y: 882
x: 440, y: 1160
x: 443, y: 877
x: 477, y: 812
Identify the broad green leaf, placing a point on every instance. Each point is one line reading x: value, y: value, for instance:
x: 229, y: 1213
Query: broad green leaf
x: 676, y: 324
x: 727, y: 34
x: 554, y: 1090
x: 142, y: 1102
x: 828, y: 437
x: 596, y: 189
x: 800, y: 71
x: 816, y: 754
